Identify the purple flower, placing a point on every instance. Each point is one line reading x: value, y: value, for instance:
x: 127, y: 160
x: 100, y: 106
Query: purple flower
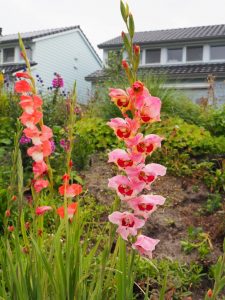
x: 57, y: 82
x: 65, y: 144
x: 52, y: 145
x: 24, y: 140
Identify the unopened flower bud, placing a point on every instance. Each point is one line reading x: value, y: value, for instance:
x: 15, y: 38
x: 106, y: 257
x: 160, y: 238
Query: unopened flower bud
x: 11, y: 228
x: 71, y: 163
x: 125, y: 64
x: 136, y: 49
x: 7, y: 213
x: 14, y: 198
x: 122, y: 34
x: 65, y: 177
x: 209, y: 293
x: 40, y: 231
x: 25, y: 250
x: 27, y: 225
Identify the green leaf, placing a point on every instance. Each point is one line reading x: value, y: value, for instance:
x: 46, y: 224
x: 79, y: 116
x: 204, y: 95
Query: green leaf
x: 5, y: 141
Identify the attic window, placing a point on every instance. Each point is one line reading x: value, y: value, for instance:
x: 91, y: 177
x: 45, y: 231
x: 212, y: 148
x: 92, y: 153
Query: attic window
x: 194, y: 53
x: 8, y: 55
x: 153, y: 56
x: 174, y: 55
x: 217, y: 52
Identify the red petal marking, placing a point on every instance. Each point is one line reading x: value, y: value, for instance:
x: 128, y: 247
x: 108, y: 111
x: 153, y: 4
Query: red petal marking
x: 127, y: 222
x: 145, y: 119
x: 124, y: 163
x: 125, y: 190
x: 149, y: 148
x: 123, y: 132
x: 146, y: 178
x: 122, y: 102
x: 145, y: 206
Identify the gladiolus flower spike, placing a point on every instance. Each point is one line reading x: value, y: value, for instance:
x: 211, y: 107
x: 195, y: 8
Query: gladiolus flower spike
x: 136, y: 176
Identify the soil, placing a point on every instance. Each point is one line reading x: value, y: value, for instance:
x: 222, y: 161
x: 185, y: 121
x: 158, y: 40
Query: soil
x: 169, y: 223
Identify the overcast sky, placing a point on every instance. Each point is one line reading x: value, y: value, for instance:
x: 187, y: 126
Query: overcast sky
x: 100, y: 19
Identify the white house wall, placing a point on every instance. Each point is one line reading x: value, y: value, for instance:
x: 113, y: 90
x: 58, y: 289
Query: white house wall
x: 69, y: 55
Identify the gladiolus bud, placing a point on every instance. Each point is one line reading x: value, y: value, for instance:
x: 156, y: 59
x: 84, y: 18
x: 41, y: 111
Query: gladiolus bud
x: 209, y: 293
x: 25, y: 250
x: 27, y: 225
x: 40, y: 231
x: 125, y: 64
x: 7, y: 213
x: 70, y: 163
x: 122, y: 34
x: 65, y: 177
x: 136, y: 50
x: 14, y: 197
x: 11, y: 228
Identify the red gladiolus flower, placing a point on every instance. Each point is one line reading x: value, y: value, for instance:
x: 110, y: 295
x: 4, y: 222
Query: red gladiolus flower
x: 71, y: 210
x: 22, y: 86
x: 70, y: 190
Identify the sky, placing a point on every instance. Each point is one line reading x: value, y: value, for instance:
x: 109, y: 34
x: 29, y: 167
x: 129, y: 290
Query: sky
x: 100, y: 19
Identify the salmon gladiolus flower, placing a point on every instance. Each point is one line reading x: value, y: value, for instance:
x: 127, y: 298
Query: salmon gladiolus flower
x: 40, y: 184
x: 70, y: 190
x: 71, y: 210
x: 22, y: 86
x: 42, y: 209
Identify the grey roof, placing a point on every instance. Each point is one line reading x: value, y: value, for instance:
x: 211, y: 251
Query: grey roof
x: 41, y: 33
x: 14, y: 67
x: 171, y: 35
x: 173, y: 71
x: 34, y: 34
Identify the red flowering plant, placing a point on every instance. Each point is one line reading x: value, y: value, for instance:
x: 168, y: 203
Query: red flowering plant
x: 139, y: 108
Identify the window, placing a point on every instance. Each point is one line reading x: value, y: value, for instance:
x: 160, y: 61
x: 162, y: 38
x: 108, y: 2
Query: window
x: 8, y: 55
x: 153, y: 56
x: 29, y: 53
x: 217, y: 52
x: 194, y: 53
x: 174, y: 55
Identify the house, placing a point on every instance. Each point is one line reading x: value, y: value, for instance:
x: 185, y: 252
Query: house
x: 66, y: 51
x: 193, y: 59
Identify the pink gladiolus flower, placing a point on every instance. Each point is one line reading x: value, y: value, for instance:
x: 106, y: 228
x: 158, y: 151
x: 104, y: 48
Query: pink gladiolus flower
x: 145, y: 145
x: 22, y: 86
x: 40, y: 184
x: 127, y: 223
x: 124, y: 129
x: 42, y: 209
x: 124, y: 159
x: 145, y: 205
x: 145, y: 245
x: 120, y: 98
x: 29, y: 120
x: 70, y: 190
x: 146, y: 173
x: 39, y: 168
x: 125, y: 188
x: 150, y: 111
x: 38, y: 152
